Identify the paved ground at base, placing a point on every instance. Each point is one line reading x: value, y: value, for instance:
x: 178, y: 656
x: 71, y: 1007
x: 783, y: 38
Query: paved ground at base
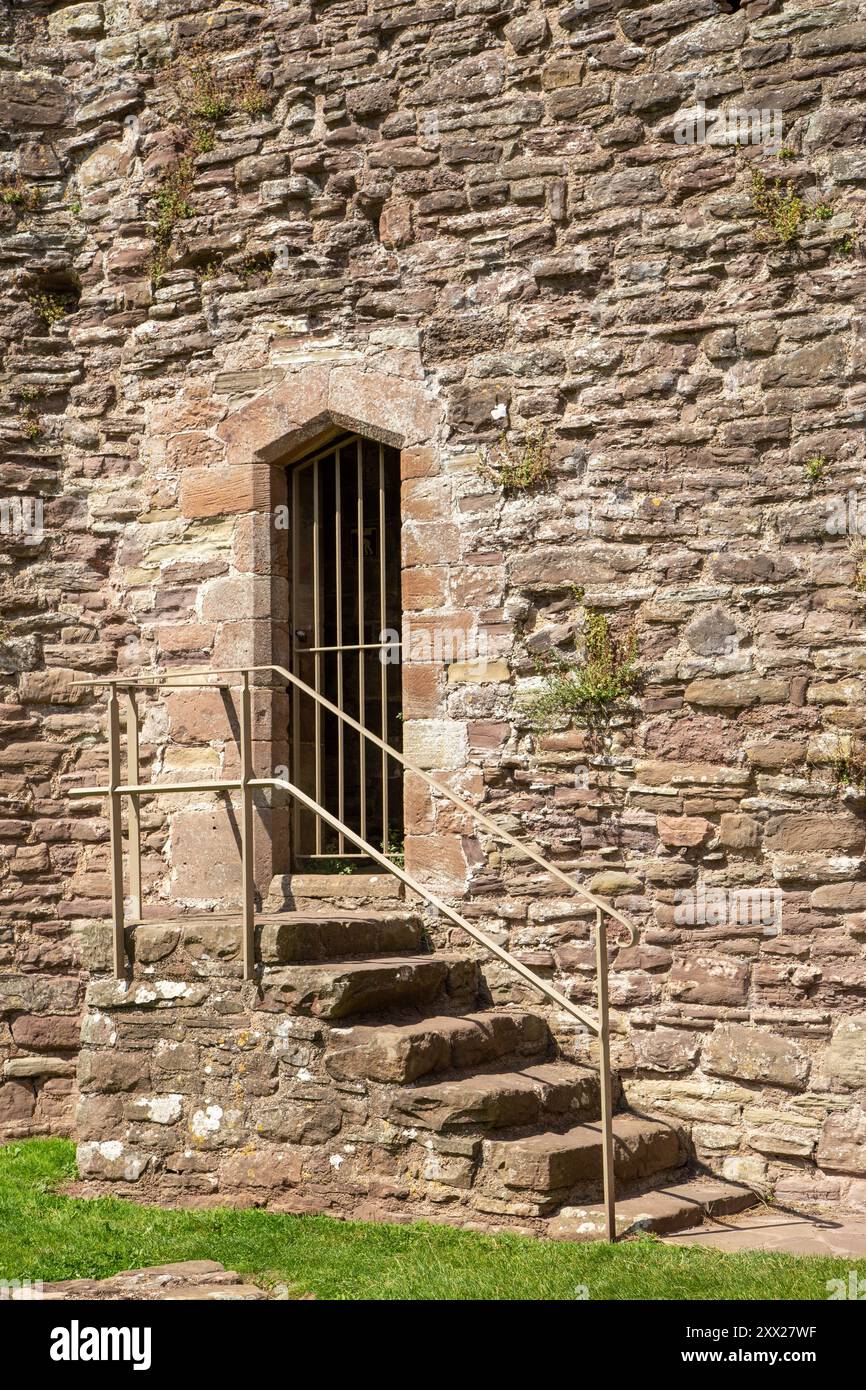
x: 188, y: 1279
x: 791, y: 1233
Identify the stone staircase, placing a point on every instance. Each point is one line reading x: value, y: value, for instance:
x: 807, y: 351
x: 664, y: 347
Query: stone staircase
x: 410, y: 1030
x: 362, y: 1073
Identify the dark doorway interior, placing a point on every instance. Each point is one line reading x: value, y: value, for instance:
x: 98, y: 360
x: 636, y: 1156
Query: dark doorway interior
x: 345, y: 632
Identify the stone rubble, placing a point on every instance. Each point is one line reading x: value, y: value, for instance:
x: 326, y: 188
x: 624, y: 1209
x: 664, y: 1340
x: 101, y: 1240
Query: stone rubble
x: 203, y: 1280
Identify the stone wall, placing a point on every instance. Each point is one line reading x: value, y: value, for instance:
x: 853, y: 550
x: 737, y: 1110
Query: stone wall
x: 486, y: 208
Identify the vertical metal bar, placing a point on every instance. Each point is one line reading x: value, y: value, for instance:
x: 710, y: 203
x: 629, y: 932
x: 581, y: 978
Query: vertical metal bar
x: 338, y: 555
x: 609, y: 1177
x: 249, y: 919
x: 115, y: 826
x: 134, y: 812
x: 383, y: 669
x: 362, y: 698
x: 296, y: 694
x: 317, y: 642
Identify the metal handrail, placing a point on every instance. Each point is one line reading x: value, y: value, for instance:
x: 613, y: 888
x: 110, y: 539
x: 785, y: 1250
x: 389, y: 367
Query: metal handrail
x: 135, y: 789
x: 475, y: 932
x: 598, y: 903
x: 409, y: 766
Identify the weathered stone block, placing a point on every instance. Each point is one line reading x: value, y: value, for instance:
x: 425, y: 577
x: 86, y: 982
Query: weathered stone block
x: 667, y: 1050
x: 682, y: 830
x: 215, y: 492
x: 17, y: 1102
x: 301, y: 1122
x: 844, y: 1060
x: 47, y: 1032
x: 801, y: 831
x: 268, y: 1169
x: 21, y: 1068
x: 145, y: 994
x: 613, y: 882
x: 841, y: 897
x: 710, y: 980
x: 110, y: 1159
x: 753, y: 1054
x: 155, y: 943
x: 77, y: 22
x: 54, y: 687
x: 842, y: 1146
x: 781, y: 1133
x: 158, y: 1110
x: 114, y: 1071
x: 435, y: 744
x: 737, y: 692
x: 739, y: 832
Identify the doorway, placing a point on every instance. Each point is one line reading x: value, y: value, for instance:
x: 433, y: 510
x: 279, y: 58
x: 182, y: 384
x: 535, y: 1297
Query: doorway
x: 346, y: 617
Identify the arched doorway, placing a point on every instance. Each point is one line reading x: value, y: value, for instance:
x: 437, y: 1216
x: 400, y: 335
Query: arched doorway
x: 345, y: 622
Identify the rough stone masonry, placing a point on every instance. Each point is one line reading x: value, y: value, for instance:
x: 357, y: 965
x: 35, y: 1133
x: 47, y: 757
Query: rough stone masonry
x: 225, y: 227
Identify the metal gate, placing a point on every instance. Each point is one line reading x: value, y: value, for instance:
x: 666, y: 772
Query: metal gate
x: 345, y: 642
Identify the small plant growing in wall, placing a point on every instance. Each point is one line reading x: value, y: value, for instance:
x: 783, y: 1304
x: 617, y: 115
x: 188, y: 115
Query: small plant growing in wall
x: 209, y: 271
x: 782, y: 210
x: 206, y: 97
x: 203, y: 98
x: 30, y: 421
x: 857, y: 551
x: 520, y: 468
x: 396, y: 850
x: 203, y: 139
x: 849, y: 767
x: 596, y: 687
x: 249, y: 96
x: 50, y: 306
x: 20, y: 196
x: 816, y: 470
x: 172, y: 205
x: 256, y: 269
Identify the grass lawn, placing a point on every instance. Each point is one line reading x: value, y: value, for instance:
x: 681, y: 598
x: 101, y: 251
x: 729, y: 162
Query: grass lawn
x: 47, y: 1236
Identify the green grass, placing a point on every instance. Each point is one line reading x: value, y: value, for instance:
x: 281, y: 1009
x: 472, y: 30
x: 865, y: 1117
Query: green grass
x: 44, y: 1235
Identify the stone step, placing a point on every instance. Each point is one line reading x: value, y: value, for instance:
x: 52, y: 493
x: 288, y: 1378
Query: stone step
x: 547, y: 1166
x: 319, y: 936
x: 529, y: 1095
x: 380, y: 890
x: 402, y: 1053
x: 679, y: 1207
x: 338, y: 989
x: 283, y: 937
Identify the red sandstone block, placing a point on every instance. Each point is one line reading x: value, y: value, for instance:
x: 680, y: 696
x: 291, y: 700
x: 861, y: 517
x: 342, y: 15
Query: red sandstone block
x: 431, y: 543
x: 209, y: 492
x: 438, y: 860
x: 193, y: 450
x: 185, y: 639
x: 425, y: 499
x: 417, y: 806
x: 425, y: 586
x: 421, y: 685
x: 17, y: 1102
x: 193, y: 408
x: 487, y: 733
x: 418, y: 461
x: 46, y: 1032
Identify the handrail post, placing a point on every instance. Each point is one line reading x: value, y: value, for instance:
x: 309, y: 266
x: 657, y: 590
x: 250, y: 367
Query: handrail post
x: 134, y: 813
x: 249, y: 920
x: 115, y: 826
x: 608, y: 1175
